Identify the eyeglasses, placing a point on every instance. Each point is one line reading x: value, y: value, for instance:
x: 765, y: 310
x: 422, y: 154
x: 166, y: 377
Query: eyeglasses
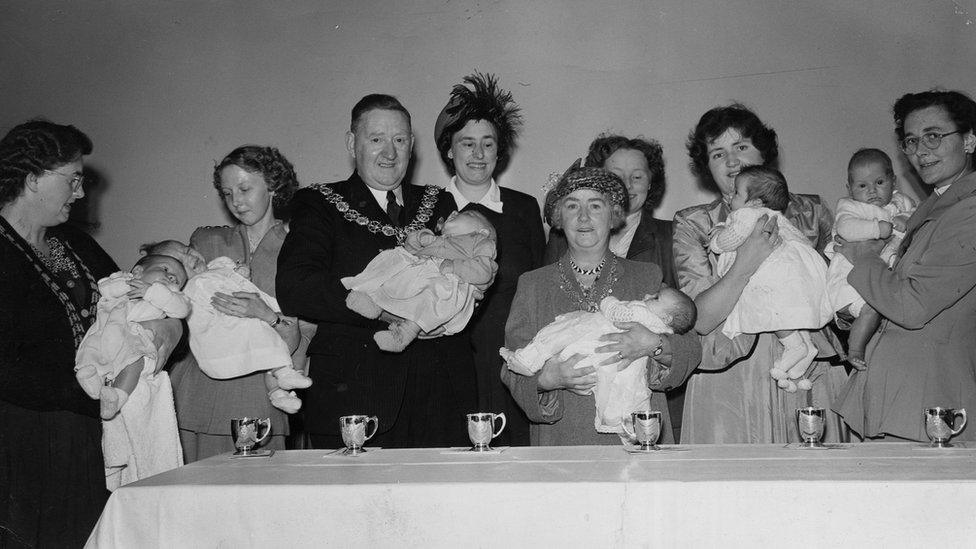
x: 931, y: 140
x: 74, y: 180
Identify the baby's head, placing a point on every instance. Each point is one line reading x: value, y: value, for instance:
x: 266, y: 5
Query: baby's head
x: 673, y: 307
x: 760, y: 187
x: 871, y: 177
x: 192, y: 260
x: 161, y: 268
x: 467, y: 222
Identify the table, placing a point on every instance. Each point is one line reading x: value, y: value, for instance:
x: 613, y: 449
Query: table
x: 876, y: 494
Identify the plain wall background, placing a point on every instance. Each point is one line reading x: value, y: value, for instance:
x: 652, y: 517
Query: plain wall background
x: 165, y: 89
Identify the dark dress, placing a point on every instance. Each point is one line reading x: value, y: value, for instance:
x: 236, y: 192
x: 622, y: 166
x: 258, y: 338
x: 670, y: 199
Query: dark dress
x: 521, y: 242
x: 420, y: 395
x: 651, y: 244
x: 52, y: 476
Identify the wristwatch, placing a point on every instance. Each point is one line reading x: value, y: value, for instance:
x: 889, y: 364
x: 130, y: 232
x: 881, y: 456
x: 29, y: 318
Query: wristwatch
x: 278, y: 321
x: 660, y: 349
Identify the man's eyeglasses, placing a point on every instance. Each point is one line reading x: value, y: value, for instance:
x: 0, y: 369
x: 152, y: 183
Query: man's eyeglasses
x: 74, y: 180
x: 931, y: 140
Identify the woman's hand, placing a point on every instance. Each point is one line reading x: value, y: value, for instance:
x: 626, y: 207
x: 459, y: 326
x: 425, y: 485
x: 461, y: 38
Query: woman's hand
x: 243, y: 305
x: 166, y: 334
x: 635, y: 341
x: 563, y: 374
x: 854, y: 251
x: 763, y: 240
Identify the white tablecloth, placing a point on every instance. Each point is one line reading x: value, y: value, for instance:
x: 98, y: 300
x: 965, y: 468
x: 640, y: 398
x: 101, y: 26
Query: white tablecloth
x: 878, y: 494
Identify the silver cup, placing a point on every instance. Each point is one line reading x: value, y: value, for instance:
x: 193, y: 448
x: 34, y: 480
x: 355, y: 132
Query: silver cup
x: 810, y: 422
x: 646, y: 430
x: 940, y: 425
x: 354, y: 432
x: 481, y: 429
x: 246, y: 433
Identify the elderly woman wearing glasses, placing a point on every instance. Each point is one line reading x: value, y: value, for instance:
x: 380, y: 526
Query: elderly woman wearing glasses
x: 588, y: 204
x: 924, y: 354
x: 51, y: 467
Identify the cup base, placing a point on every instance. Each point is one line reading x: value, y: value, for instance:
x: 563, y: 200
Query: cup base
x: 353, y: 451
x: 480, y: 448
x: 811, y: 444
x: 940, y: 444
x: 252, y: 453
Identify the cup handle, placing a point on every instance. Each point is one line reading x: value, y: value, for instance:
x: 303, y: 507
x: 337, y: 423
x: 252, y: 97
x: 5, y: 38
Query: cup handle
x: 267, y: 430
x: 960, y: 412
x: 376, y: 425
x: 502, y: 428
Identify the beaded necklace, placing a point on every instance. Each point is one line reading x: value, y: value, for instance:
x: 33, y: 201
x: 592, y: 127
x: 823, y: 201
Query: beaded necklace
x: 587, y: 272
x: 589, y: 298
x: 352, y: 215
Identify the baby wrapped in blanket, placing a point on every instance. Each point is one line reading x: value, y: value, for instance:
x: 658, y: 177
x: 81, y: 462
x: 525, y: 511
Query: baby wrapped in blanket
x: 617, y: 393
x: 431, y: 281
x: 227, y: 346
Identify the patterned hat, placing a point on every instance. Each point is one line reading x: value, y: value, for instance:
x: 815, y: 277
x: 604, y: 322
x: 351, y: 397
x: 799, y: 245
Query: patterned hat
x: 596, y: 179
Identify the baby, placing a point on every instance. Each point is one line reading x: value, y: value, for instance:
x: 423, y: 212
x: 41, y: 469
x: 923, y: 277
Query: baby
x: 787, y: 295
x: 874, y: 210
x: 227, y: 346
x: 430, y: 281
x: 617, y: 393
x: 117, y: 349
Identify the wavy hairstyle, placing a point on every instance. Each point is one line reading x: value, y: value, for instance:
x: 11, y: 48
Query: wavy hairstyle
x: 714, y: 123
x: 35, y: 146
x: 606, y: 144
x: 277, y: 171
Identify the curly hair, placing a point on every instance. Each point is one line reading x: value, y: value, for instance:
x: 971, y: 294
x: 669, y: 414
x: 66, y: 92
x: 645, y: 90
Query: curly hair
x: 606, y: 144
x: 277, y: 171
x: 959, y: 106
x: 716, y: 122
x: 35, y: 146
x: 483, y: 101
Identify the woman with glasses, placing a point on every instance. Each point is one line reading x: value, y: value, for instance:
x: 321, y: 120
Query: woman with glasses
x: 52, y: 476
x: 924, y: 354
x: 732, y: 398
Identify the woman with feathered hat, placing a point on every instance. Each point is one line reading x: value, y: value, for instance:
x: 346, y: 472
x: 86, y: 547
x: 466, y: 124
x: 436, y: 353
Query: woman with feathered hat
x: 475, y: 134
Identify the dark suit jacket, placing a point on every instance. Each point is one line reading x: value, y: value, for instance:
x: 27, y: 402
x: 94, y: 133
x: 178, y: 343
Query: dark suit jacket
x: 651, y: 244
x: 350, y: 374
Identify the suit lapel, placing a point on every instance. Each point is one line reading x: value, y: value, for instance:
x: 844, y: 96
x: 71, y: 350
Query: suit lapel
x: 935, y: 205
x: 642, y: 240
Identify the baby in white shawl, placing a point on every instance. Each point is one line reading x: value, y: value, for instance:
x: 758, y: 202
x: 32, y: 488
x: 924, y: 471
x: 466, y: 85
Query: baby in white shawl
x: 617, y: 393
x: 227, y: 346
x: 117, y: 363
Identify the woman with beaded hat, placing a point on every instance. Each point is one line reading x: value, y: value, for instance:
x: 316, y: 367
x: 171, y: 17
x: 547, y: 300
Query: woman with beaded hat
x: 475, y: 134
x: 587, y: 204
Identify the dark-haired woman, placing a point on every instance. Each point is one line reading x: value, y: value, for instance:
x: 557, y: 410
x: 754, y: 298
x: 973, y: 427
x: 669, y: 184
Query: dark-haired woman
x: 924, y: 354
x: 732, y: 398
x: 475, y: 134
x: 256, y: 184
x: 52, y: 476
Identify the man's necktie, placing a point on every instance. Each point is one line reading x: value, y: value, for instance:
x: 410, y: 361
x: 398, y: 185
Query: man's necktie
x: 393, y: 209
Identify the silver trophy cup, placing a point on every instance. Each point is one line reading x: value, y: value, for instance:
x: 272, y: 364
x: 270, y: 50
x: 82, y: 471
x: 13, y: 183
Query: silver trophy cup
x: 354, y: 432
x: 481, y: 429
x: 246, y: 432
x: 647, y: 428
x: 810, y: 422
x: 940, y: 425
